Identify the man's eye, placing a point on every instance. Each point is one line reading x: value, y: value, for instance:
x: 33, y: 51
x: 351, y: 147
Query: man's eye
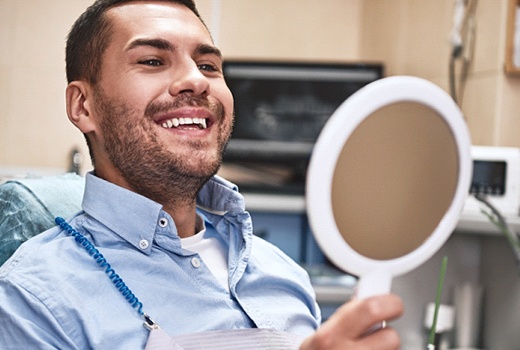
x: 208, y: 67
x: 151, y: 62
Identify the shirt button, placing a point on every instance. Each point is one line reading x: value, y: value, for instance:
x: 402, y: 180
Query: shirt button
x: 195, y: 262
x: 163, y: 222
x: 143, y: 244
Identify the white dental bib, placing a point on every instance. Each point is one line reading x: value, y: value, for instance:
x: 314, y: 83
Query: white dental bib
x: 236, y: 339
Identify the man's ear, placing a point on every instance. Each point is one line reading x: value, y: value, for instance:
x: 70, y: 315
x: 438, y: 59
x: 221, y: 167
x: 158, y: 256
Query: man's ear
x: 79, y: 106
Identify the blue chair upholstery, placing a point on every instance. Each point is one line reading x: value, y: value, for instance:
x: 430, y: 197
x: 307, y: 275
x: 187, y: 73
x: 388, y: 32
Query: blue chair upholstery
x: 28, y: 206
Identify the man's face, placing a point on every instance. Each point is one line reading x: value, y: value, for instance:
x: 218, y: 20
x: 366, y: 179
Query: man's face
x: 164, y: 110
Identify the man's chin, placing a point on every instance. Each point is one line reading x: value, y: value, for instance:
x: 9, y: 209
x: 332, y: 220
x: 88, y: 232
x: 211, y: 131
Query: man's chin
x: 203, y: 163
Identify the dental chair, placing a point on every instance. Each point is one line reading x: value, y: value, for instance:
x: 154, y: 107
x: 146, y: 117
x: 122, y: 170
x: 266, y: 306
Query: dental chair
x: 28, y: 207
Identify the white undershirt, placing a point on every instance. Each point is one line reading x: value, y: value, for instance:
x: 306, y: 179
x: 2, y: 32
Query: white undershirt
x: 212, y: 253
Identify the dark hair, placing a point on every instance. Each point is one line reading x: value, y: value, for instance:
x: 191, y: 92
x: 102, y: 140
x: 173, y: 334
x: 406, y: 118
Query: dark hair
x: 90, y: 36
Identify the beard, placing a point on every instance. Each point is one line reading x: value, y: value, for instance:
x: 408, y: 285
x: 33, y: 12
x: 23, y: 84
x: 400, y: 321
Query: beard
x: 132, y: 144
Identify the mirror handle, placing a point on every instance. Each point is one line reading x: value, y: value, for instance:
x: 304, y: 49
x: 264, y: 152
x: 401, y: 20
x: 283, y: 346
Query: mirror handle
x: 371, y: 284
x: 374, y: 283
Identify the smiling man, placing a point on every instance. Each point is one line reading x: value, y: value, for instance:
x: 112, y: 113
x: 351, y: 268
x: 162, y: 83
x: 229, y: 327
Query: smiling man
x: 159, y: 73
x: 147, y: 90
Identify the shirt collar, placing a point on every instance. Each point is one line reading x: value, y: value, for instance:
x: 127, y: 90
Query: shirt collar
x: 219, y: 196
x: 135, y: 217
x: 130, y: 215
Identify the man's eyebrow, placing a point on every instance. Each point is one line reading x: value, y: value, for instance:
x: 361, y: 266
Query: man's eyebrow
x: 160, y: 44
x: 205, y: 49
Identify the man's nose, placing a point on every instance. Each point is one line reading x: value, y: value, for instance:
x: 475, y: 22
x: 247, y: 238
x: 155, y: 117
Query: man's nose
x: 188, y: 78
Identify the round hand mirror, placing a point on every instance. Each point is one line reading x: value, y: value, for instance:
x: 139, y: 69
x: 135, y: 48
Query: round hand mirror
x: 387, y: 179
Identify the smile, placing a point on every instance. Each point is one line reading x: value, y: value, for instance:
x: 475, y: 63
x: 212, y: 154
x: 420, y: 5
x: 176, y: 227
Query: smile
x: 176, y: 122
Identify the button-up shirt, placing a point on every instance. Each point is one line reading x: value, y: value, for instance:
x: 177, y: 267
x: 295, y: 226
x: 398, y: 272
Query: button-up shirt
x: 53, y: 294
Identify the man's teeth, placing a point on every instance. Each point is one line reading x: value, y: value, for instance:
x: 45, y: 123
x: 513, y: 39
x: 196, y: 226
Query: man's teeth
x: 175, y: 122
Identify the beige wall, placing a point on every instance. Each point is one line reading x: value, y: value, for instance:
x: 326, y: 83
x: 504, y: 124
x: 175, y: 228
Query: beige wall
x: 409, y: 36
x: 34, y: 131
x: 419, y: 44
x: 291, y: 29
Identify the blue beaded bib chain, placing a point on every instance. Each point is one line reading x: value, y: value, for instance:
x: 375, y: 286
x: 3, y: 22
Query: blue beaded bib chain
x: 102, y: 262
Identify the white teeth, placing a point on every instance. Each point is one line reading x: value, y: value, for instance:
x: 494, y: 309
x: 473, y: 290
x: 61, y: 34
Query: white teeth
x: 175, y: 122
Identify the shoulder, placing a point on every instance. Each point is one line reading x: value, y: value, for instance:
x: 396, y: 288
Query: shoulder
x: 42, y: 257
x: 263, y: 247
x: 273, y: 258
x: 34, y: 256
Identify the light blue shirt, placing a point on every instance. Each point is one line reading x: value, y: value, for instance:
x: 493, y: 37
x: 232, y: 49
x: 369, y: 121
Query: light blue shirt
x: 53, y: 294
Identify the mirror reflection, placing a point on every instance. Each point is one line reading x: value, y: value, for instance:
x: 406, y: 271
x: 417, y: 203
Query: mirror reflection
x: 394, y: 180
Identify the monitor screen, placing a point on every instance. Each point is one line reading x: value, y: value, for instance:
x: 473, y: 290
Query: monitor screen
x: 280, y: 109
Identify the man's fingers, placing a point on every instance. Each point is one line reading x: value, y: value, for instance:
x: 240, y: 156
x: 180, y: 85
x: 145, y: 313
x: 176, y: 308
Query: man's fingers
x: 358, y: 317
x: 352, y: 326
x: 382, y: 339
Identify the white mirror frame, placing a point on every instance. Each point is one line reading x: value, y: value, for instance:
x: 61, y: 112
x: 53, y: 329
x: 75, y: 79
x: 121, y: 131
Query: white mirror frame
x: 375, y: 276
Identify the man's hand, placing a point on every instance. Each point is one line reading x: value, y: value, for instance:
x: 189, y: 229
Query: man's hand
x: 349, y: 327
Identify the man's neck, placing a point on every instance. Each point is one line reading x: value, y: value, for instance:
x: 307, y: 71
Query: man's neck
x: 185, y: 217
